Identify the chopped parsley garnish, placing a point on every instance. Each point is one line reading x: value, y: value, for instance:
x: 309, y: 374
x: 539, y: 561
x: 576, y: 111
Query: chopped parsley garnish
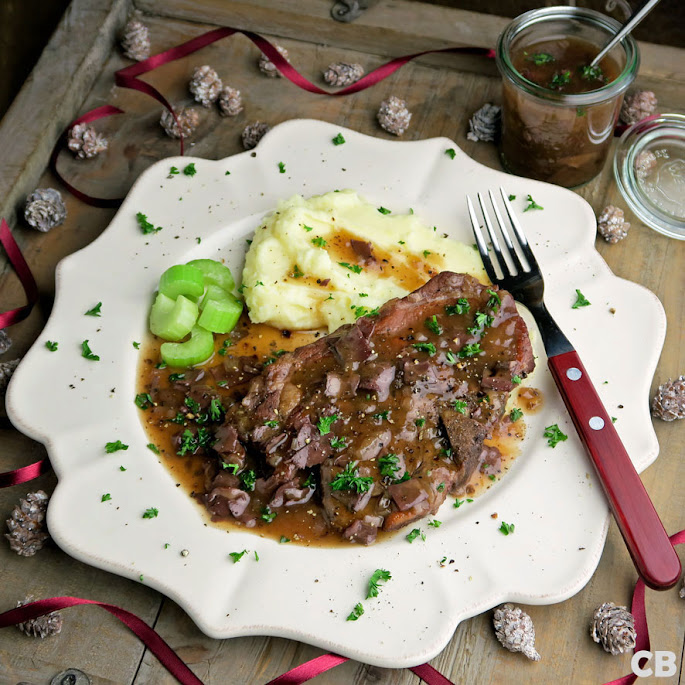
x: 461, y: 406
x: 271, y: 424
x: 426, y: 253
x: 450, y: 357
x: 592, y: 73
x: 325, y: 422
x: 361, y: 310
x: 494, y: 301
x: 268, y: 515
x: 233, y: 468
x: 440, y: 487
x: 435, y: 523
x: 136, y: 344
x: 461, y: 306
x: 307, y: 228
x: 356, y: 612
x: 111, y: 447
x: 560, y: 79
x: 382, y: 415
x: 379, y: 575
x: 297, y: 273
x: 248, y: 480
x: 319, y: 242
x: 281, y: 168
x: 339, y: 140
x: 613, y: 419
x: 425, y: 347
x: 540, y: 58
x: 151, y: 513
x: 51, y: 345
x: 284, y: 539
x: 216, y: 410
x: 173, y: 377
x: 515, y: 414
x: 581, y: 300
x: 483, y: 320
x: 420, y: 423
x: 192, y: 405
x: 516, y: 380
x: 310, y: 481
x: 389, y: 465
x: 451, y: 152
x: 237, y: 556
x: 190, y: 169
x: 338, y: 443
x: 554, y: 435
x: 122, y: 468
x: 512, y: 197
x: 355, y: 268
x: 349, y: 479
x: 189, y: 443
x: 173, y: 171
x: 492, y: 476
x: 405, y: 476
x: 506, y: 528
x: 458, y: 503
x: 433, y: 325
x: 87, y: 353
x: 106, y: 498
x: 145, y: 226
x: 95, y: 311
x: 415, y: 534
x: 383, y: 210
x: 152, y: 447
x: 143, y: 400
x: 531, y: 204
x: 256, y: 556
x: 160, y: 365
x: 469, y: 350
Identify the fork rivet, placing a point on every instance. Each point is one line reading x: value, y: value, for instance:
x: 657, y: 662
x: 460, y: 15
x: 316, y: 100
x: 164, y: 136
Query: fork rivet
x: 596, y: 423
x: 573, y: 374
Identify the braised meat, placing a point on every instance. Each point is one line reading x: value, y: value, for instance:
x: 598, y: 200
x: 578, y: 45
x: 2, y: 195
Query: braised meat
x: 385, y: 416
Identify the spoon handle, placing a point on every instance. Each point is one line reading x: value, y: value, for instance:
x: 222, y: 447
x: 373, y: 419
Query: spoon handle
x: 638, y: 15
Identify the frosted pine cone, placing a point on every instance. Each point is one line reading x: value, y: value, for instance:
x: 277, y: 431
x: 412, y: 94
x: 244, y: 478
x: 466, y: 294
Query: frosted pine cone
x: 26, y: 525
x: 644, y: 163
x: 393, y: 115
x: 669, y: 402
x: 611, y: 224
x: 485, y: 123
x: 135, y: 40
x: 515, y: 630
x: 230, y: 102
x: 341, y: 74
x: 5, y: 341
x: 253, y: 133
x: 638, y: 105
x: 85, y: 142
x: 614, y: 628
x: 189, y: 119
x: 6, y: 371
x: 205, y: 85
x: 45, y: 209
x: 267, y: 67
x: 41, y: 626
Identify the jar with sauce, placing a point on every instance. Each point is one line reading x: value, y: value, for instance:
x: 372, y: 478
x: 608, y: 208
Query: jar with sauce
x: 558, y: 113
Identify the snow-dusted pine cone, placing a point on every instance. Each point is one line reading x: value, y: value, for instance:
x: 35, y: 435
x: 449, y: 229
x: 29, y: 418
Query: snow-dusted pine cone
x: 267, y: 67
x: 644, y: 163
x: 26, y: 525
x: 189, y: 119
x: 230, y: 102
x: 41, y: 626
x: 6, y: 371
x: 341, y: 74
x: 393, y: 115
x: 614, y: 628
x: 611, y: 224
x: 515, y: 630
x: 135, y: 40
x: 205, y: 85
x: 638, y: 105
x: 485, y: 123
x: 669, y: 402
x: 45, y: 209
x: 5, y: 341
x: 253, y: 133
x: 85, y: 142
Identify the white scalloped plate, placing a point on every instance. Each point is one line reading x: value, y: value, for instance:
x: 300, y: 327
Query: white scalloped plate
x: 74, y: 406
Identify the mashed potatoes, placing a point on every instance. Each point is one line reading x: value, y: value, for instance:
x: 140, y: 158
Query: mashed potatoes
x: 325, y: 261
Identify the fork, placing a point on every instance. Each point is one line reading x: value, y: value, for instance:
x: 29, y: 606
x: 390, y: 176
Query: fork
x: 651, y: 550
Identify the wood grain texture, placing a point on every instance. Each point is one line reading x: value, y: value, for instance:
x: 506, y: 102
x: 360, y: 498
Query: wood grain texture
x: 442, y: 100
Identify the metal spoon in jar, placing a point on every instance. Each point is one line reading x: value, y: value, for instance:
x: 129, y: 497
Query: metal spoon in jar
x: 638, y: 15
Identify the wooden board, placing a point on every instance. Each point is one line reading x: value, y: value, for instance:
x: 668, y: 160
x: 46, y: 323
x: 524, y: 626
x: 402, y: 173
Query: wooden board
x: 442, y: 93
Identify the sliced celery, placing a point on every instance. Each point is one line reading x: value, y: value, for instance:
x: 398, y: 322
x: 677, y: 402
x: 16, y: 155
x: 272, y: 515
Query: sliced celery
x: 198, y: 349
x: 214, y: 273
x: 213, y: 292
x: 172, y: 319
x: 182, y: 279
x: 220, y: 316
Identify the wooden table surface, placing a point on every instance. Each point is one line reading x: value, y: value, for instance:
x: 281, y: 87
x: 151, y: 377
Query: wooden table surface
x: 76, y: 74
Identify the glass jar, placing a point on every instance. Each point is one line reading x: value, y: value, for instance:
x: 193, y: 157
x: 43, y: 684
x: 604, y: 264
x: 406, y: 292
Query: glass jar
x: 562, y: 138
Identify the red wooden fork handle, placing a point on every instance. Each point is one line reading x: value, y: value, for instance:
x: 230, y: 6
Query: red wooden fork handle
x: 654, y: 556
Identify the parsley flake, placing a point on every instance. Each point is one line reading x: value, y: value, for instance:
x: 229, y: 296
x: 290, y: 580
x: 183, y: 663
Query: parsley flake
x: 379, y: 575
x: 237, y: 556
x: 433, y: 325
x: 554, y: 435
x: 51, y: 345
x: 461, y: 306
x: 451, y: 152
x: 425, y: 347
x: 95, y: 311
x: 143, y: 400
x: 355, y: 268
x: 516, y: 380
x: 512, y: 197
x: 106, y: 497
x: 415, y: 533
x: 515, y: 414
x: 151, y: 513
x: 349, y: 479
x: 281, y: 168
x: 383, y: 210
x: 560, y: 79
x: 420, y: 423
x: 460, y: 406
x: 268, y: 515
x: 506, y: 528
x: 581, y: 301
x: 356, y: 612
x: 540, y: 58
x: 247, y: 480
x: 136, y: 345
x: 173, y: 171
x: 338, y: 140
x: 319, y: 242
x: 111, y: 447
x: 435, y: 523
x: 297, y: 272
x: 284, y: 539
x: 469, y: 350
x: 307, y: 228
x: 152, y: 447
x: 389, y: 465
x: 190, y: 169
x: 590, y: 73
x: 87, y: 353
x: 531, y: 204
x: 145, y: 226
x: 325, y: 422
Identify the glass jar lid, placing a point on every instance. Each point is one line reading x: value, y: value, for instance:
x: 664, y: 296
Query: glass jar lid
x: 649, y: 167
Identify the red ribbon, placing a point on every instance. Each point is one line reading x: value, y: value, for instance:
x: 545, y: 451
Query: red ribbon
x: 24, y: 474
x: 21, y: 268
